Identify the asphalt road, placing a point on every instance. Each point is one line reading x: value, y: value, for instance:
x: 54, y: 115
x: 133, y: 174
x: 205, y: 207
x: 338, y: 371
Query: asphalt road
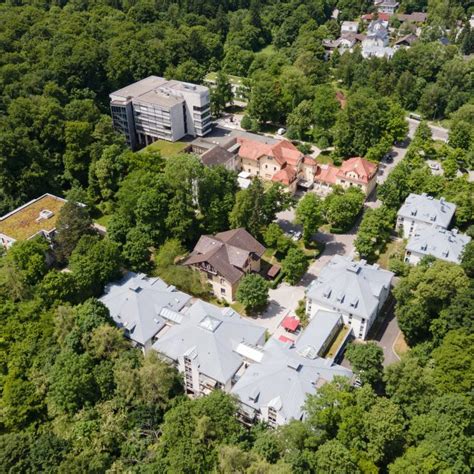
x: 439, y: 133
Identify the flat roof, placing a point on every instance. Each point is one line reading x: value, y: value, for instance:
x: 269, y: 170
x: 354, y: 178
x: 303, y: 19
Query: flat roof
x: 156, y: 96
x: 24, y: 222
x: 140, y: 87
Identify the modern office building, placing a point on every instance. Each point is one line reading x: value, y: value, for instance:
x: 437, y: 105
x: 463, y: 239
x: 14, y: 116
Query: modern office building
x: 155, y: 108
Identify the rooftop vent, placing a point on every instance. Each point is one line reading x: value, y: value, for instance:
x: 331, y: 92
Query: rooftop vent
x: 353, y: 267
x: 44, y: 214
x: 354, y: 302
x: 340, y: 297
x: 424, y: 246
x: 135, y: 287
x: 413, y: 212
x: 445, y: 253
x: 254, y: 395
x: 294, y: 364
x: 327, y: 292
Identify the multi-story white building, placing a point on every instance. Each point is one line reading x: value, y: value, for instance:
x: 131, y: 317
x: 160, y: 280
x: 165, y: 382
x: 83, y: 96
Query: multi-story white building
x: 438, y: 242
x: 274, y: 389
x: 142, y: 306
x: 386, y: 6
x: 210, y: 346
x: 155, y: 108
x: 356, y: 290
x: 421, y: 211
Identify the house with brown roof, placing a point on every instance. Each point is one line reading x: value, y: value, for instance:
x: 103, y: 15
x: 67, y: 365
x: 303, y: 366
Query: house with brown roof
x: 36, y: 217
x: 279, y: 162
x: 355, y: 171
x: 223, y: 259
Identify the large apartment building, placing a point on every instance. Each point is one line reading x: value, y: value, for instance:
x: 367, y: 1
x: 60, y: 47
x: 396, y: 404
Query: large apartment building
x: 155, y: 108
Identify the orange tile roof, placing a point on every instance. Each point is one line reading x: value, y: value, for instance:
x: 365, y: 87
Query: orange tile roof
x: 326, y: 174
x: 364, y: 169
x: 283, y: 151
x: 285, y: 176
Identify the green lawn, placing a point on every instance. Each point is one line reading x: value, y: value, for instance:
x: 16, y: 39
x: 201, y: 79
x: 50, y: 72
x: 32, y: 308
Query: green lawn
x: 238, y: 308
x: 103, y: 220
x: 270, y: 49
x: 393, y: 248
x: 324, y: 158
x: 337, y: 342
x: 167, y: 149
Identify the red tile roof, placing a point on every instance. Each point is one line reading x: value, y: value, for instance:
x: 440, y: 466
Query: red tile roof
x: 365, y: 170
x: 283, y: 151
x: 285, y: 176
x: 326, y: 174
x: 381, y: 16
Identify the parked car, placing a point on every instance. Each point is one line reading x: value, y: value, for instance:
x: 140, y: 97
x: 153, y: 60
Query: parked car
x: 281, y: 131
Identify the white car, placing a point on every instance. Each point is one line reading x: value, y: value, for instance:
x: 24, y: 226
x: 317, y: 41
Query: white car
x: 281, y: 131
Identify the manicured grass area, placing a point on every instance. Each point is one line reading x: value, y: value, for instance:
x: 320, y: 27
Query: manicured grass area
x: 167, y: 149
x: 239, y: 308
x: 393, y: 249
x: 400, y: 346
x: 104, y: 220
x: 324, y: 158
x: 270, y: 49
x: 337, y: 342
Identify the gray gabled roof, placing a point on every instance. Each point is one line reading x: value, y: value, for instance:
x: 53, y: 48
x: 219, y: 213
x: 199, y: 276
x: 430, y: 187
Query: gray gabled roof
x: 424, y: 208
x: 350, y: 286
x: 312, y: 339
x: 283, y: 379
x: 141, y: 305
x: 440, y: 243
x: 213, y: 335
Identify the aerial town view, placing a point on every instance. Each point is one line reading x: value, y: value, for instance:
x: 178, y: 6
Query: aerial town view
x: 237, y: 236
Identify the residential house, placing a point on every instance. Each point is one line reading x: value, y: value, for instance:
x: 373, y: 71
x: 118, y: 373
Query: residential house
x: 280, y: 162
x: 210, y: 346
x: 356, y: 290
x: 414, y: 17
x: 355, y: 171
x: 421, y: 211
x: 346, y: 42
x: 156, y: 108
x: 240, y: 89
x: 386, y: 6
x: 213, y: 153
x: 349, y: 27
x: 405, y: 41
x: 274, y: 389
x: 377, y: 40
x: 36, y: 217
x: 223, y: 259
x: 437, y: 242
x: 385, y: 17
x: 142, y: 306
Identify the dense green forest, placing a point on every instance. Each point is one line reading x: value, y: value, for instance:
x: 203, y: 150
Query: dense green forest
x: 76, y: 397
